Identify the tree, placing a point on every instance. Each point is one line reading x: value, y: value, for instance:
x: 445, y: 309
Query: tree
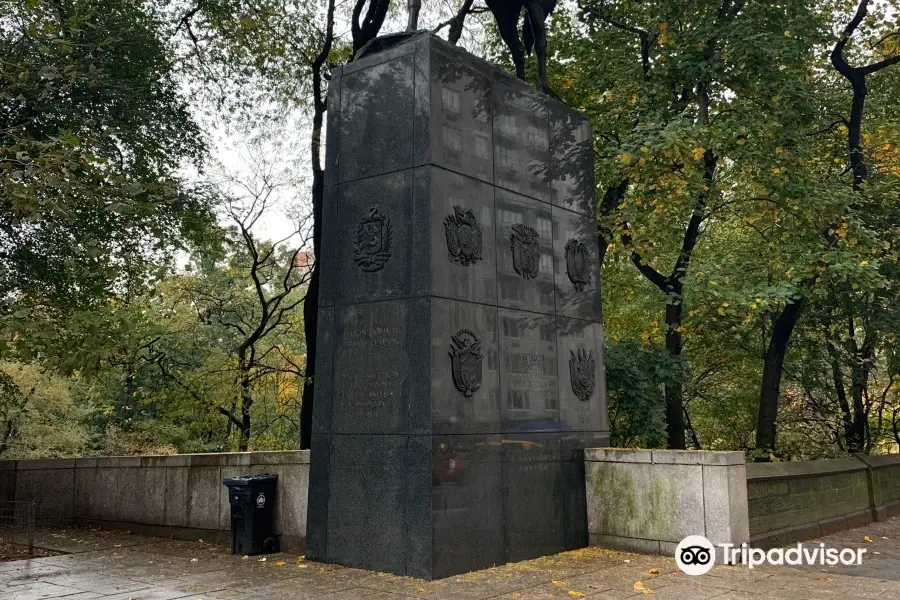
x: 683, y: 91
x: 93, y: 131
x: 860, y: 352
x: 256, y: 322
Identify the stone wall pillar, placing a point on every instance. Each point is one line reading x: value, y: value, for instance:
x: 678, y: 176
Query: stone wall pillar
x: 649, y: 500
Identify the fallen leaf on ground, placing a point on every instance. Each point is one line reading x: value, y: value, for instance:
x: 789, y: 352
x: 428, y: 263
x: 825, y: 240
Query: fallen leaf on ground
x: 654, y: 571
x: 639, y: 585
x: 263, y: 559
x: 200, y: 541
x: 516, y: 595
x: 280, y: 563
x: 627, y: 560
x: 558, y: 583
x: 245, y: 557
x: 421, y: 590
x: 829, y: 579
x: 576, y: 594
x: 867, y: 539
x: 195, y: 560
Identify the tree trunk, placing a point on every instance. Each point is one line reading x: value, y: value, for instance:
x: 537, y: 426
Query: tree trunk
x: 456, y: 25
x: 311, y: 315
x: 674, y: 389
x: 773, y: 369
x: 840, y: 390
x: 311, y: 302
x: 246, y: 403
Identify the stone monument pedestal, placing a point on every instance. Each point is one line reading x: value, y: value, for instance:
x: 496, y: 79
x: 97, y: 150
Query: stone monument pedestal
x: 460, y: 355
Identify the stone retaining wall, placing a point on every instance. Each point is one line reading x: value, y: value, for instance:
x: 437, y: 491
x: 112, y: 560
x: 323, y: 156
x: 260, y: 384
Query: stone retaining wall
x: 796, y: 501
x: 649, y: 500
x: 181, y: 496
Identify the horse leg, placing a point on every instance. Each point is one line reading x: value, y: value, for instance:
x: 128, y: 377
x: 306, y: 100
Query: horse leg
x: 506, y: 25
x: 536, y: 18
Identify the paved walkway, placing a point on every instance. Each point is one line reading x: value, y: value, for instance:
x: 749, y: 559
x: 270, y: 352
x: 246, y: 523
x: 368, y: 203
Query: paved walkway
x: 119, y: 566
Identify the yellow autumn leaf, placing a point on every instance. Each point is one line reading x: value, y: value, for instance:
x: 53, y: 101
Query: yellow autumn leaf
x: 575, y: 594
x: 280, y: 563
x: 654, y: 571
x: 421, y: 590
x: 625, y: 158
x: 787, y: 34
x: 245, y: 557
x: 516, y: 595
x: 698, y: 152
x: 776, y: 170
x: 863, y: 263
x: 639, y: 585
x: 867, y: 539
x: 741, y: 142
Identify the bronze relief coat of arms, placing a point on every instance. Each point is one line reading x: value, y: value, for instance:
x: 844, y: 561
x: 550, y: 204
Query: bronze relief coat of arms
x: 582, y: 372
x: 525, y: 252
x: 466, y: 355
x: 578, y: 264
x: 372, y: 243
x: 463, y: 236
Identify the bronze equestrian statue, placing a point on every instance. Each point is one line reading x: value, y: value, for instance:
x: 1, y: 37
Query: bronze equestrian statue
x: 507, y: 13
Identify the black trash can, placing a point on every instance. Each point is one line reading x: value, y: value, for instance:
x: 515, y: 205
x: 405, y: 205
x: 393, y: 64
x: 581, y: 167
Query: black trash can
x: 252, y: 499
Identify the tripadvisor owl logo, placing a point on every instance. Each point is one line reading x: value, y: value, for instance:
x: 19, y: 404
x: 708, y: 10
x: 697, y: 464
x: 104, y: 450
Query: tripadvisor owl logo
x: 695, y: 555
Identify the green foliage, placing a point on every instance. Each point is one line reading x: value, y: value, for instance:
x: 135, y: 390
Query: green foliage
x: 38, y: 417
x: 93, y: 131
x: 635, y: 376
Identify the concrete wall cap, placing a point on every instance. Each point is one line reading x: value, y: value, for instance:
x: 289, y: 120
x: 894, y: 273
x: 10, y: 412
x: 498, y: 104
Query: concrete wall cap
x: 49, y: 463
x: 878, y: 461
x: 617, y: 455
x: 810, y: 468
x: 294, y: 457
x: 698, y: 457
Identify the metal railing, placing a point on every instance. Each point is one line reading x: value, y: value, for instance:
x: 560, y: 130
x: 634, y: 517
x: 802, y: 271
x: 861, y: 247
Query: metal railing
x: 17, y: 525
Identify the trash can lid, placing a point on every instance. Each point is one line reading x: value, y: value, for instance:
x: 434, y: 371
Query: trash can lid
x: 246, y: 480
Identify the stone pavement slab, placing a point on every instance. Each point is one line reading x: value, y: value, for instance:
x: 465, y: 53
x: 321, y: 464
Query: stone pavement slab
x: 123, y: 566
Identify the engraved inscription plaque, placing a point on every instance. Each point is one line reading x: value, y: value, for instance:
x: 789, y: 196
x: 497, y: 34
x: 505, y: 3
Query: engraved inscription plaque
x: 524, y: 246
x: 466, y: 355
x: 372, y: 246
x: 463, y: 236
x: 582, y: 373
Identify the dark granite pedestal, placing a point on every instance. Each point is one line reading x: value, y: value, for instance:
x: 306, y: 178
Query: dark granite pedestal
x: 460, y: 353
